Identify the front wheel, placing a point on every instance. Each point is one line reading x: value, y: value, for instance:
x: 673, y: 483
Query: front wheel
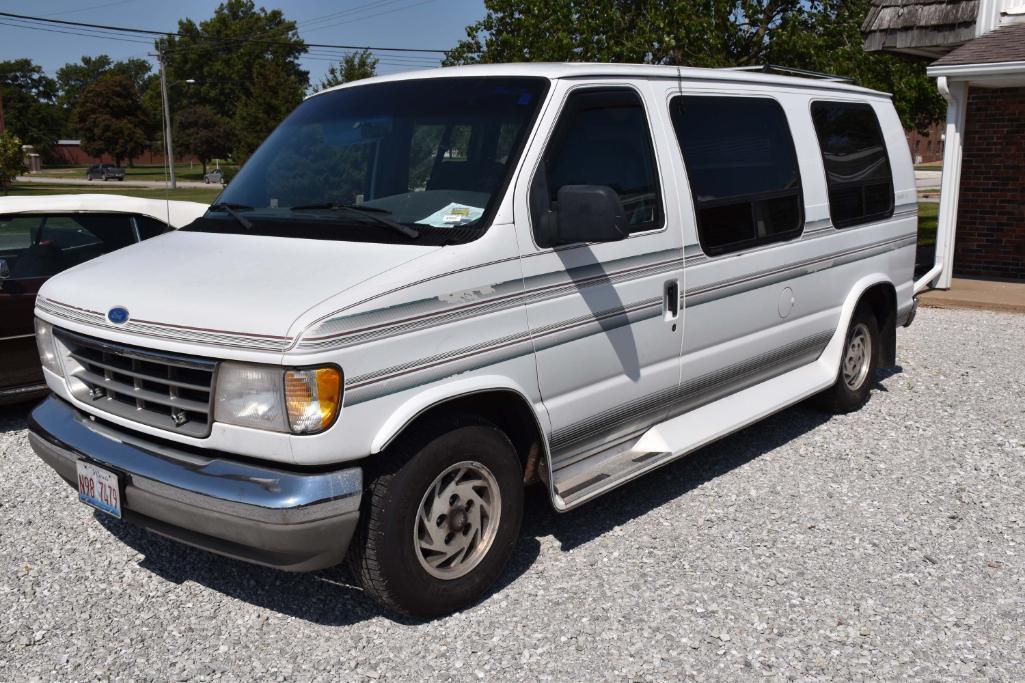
x: 440, y: 519
x: 858, y: 364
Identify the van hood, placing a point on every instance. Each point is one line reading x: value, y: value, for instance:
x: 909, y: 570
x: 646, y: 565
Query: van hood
x: 234, y: 290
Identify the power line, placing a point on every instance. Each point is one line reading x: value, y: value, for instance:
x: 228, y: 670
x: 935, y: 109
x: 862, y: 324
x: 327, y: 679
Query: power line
x: 86, y: 9
x: 76, y: 33
x: 150, y: 32
x: 369, y: 16
x: 352, y: 10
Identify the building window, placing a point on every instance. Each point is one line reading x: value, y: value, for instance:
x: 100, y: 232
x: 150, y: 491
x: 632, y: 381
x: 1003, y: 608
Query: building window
x: 857, y: 167
x: 742, y: 168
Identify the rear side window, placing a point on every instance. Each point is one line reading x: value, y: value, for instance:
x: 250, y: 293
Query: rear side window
x: 149, y: 227
x: 35, y: 246
x: 602, y: 139
x: 857, y: 167
x: 742, y: 168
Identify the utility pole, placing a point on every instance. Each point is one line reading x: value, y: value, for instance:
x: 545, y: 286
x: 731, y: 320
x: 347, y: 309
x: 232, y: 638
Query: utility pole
x: 168, y: 144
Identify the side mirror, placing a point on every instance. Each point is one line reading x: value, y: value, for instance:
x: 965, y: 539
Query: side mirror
x: 589, y: 213
x: 5, y: 269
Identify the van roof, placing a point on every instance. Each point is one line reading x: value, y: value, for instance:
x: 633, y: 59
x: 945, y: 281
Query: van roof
x: 571, y: 70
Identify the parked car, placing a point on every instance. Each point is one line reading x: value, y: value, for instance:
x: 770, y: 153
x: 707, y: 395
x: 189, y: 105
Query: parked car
x: 42, y: 236
x: 215, y: 177
x: 104, y: 172
x: 478, y: 278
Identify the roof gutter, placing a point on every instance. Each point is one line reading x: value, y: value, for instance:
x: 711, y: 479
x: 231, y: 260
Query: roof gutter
x: 973, y: 71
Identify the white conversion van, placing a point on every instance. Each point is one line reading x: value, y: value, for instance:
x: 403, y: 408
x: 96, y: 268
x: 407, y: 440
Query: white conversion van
x: 425, y: 291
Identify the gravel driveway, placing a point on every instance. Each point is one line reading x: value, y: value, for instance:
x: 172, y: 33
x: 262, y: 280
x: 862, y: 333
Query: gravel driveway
x: 884, y: 544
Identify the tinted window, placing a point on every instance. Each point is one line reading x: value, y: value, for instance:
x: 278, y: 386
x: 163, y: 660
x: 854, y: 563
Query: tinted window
x: 603, y: 139
x: 44, y: 245
x: 149, y: 227
x: 857, y: 167
x: 742, y: 168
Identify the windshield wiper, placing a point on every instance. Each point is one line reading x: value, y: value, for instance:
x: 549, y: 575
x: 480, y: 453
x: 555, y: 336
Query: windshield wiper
x: 229, y: 209
x: 363, y: 212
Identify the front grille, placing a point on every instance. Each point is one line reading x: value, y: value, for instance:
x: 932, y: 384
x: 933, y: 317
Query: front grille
x: 165, y: 390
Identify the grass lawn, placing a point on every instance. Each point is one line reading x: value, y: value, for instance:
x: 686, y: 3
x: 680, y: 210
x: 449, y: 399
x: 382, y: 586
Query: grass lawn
x: 928, y: 213
x: 202, y: 195
x: 140, y: 172
x: 930, y: 166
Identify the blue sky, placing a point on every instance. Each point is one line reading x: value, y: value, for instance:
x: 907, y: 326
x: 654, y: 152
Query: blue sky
x: 401, y: 23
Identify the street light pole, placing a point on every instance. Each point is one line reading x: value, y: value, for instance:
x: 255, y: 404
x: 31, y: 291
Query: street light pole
x: 168, y: 144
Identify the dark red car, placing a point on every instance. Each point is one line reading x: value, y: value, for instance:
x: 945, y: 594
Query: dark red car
x: 42, y: 236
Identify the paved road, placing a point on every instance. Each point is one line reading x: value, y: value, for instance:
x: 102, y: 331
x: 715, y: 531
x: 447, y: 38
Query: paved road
x: 887, y: 544
x: 160, y: 184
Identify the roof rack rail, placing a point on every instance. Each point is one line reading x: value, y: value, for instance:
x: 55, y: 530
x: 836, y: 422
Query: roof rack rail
x: 791, y: 71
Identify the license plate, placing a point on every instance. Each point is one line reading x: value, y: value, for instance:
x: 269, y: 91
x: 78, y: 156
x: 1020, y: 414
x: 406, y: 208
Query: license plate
x: 99, y: 488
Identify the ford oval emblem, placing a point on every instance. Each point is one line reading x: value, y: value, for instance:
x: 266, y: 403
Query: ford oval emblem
x: 118, y: 315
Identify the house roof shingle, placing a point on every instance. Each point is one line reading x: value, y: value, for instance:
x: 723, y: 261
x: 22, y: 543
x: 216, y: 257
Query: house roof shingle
x: 1006, y: 44
x: 903, y: 24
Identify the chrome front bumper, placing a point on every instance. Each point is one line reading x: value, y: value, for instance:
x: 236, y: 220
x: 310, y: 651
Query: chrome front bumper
x: 297, y: 521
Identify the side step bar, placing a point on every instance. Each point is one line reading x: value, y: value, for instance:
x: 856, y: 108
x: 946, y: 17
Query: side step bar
x: 590, y: 477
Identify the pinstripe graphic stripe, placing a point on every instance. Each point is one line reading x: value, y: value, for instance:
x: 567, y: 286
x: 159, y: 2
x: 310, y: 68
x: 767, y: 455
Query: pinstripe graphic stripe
x: 724, y: 288
x: 639, y: 414
x: 397, y: 378
x: 409, y: 317
x: 345, y: 331
x: 149, y: 328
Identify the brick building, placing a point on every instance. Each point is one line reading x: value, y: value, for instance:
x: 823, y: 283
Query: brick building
x: 71, y: 152
x: 979, y: 46
x: 926, y: 146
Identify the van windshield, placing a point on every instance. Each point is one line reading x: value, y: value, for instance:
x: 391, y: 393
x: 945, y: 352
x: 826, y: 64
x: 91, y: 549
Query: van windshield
x: 433, y: 154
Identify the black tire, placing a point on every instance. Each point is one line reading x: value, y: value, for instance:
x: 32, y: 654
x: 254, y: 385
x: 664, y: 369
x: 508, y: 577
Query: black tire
x: 384, y: 556
x: 851, y: 390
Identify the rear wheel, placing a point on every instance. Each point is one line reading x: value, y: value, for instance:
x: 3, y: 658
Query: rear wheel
x: 440, y: 519
x: 858, y: 364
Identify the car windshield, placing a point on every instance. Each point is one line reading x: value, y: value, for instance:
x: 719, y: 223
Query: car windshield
x: 431, y: 154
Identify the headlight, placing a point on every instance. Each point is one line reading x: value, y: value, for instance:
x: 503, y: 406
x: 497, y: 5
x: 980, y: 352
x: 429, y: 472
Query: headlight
x: 250, y: 395
x: 47, y: 347
x: 312, y: 397
x: 269, y: 397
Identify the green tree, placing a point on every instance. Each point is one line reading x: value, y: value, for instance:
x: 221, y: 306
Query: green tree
x: 30, y: 109
x: 353, y: 67
x: 828, y: 38
x: 821, y: 35
x: 73, y: 79
x: 110, y: 119
x: 691, y: 32
x: 231, y: 56
x: 12, y: 160
x: 201, y: 132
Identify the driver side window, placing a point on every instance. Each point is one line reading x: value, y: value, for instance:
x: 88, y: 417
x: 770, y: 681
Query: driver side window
x: 602, y: 138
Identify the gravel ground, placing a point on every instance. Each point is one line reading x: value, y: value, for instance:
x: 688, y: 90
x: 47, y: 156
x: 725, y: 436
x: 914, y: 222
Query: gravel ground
x: 885, y: 544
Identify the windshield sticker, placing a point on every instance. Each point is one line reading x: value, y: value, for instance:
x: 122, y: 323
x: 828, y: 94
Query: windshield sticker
x: 452, y: 216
